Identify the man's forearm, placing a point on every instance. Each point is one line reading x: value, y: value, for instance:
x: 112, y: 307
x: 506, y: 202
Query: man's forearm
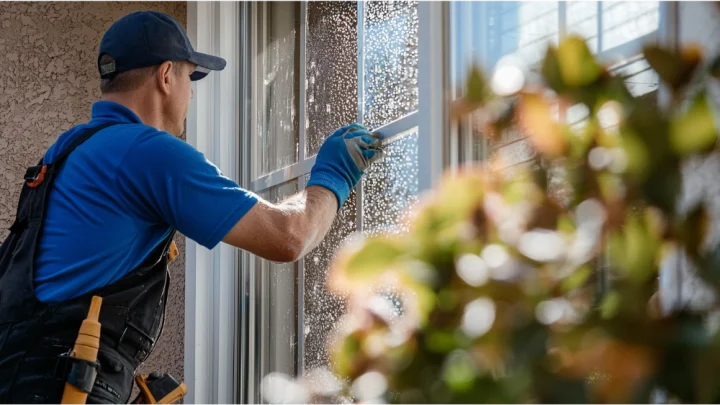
x: 286, y: 231
x: 312, y: 212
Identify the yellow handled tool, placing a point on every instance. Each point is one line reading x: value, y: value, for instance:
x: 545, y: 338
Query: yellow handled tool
x: 159, y: 389
x: 85, y: 350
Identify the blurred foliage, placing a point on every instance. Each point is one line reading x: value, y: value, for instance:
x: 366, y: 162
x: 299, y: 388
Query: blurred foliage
x: 501, y: 297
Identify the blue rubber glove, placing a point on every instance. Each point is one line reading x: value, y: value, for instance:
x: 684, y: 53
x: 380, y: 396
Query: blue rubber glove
x: 343, y: 159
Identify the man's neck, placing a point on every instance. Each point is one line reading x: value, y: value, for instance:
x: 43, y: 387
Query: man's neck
x: 140, y: 105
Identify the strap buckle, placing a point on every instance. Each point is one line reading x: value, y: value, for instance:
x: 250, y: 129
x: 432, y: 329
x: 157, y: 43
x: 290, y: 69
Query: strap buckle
x: 35, y: 175
x: 82, y: 373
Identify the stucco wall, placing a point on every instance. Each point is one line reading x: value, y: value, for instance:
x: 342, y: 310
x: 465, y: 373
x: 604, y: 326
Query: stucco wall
x: 48, y: 81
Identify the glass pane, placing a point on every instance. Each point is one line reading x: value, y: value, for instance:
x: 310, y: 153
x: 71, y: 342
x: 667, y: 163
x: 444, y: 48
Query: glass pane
x: 626, y: 21
x: 489, y: 31
x: 323, y: 309
x: 522, y: 28
x: 390, y: 187
x: 390, y: 55
x: 278, y: 324
x: 582, y: 19
x: 515, y: 152
x: 640, y: 78
x: 331, y: 69
x: 278, y: 45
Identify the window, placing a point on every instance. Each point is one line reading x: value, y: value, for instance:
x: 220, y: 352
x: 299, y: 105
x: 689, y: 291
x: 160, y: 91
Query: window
x: 316, y: 67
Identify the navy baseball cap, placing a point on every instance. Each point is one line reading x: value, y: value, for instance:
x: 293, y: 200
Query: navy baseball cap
x: 147, y: 38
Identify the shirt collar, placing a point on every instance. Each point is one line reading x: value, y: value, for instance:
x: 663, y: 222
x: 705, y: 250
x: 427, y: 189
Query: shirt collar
x: 104, y: 111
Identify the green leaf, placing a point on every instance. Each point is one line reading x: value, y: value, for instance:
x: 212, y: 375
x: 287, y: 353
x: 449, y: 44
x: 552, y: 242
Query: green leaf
x: 695, y: 228
x: 375, y: 257
x: 426, y: 301
x: 634, y: 250
x: 477, y: 86
x: 551, y: 70
x: 610, y: 305
x: 650, y: 125
x: 460, y: 371
x: 715, y: 68
x: 694, y: 131
x: 577, y: 64
x: 343, y: 355
x: 662, y: 187
x: 440, y: 341
x: 673, y: 68
x: 577, y: 279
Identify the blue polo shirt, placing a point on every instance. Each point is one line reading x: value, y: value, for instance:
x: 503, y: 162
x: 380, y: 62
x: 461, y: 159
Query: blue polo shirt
x: 117, y: 197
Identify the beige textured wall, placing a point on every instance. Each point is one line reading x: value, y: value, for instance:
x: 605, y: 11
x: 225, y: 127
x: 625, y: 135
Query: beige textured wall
x: 48, y: 81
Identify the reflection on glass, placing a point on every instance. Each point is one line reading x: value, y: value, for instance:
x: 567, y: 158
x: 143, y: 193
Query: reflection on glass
x: 331, y: 69
x: 323, y: 309
x: 278, y: 136
x: 278, y: 324
x: 391, y: 61
x: 485, y: 32
x: 582, y: 19
x: 390, y: 187
x: 515, y: 152
x: 523, y: 28
x: 639, y: 77
x: 625, y: 21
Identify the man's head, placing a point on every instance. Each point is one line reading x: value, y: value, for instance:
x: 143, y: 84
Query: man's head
x: 146, y: 59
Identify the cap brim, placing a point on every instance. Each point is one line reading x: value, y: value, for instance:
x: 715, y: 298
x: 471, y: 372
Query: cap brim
x: 205, y: 64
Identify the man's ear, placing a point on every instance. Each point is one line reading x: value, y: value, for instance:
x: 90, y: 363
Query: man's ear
x: 164, y: 76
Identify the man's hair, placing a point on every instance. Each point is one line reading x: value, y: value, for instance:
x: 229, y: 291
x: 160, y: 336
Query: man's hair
x: 125, y: 81
x: 129, y: 80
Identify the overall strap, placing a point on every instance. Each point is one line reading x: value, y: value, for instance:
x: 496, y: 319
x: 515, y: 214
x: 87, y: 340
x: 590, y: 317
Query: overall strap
x: 75, y: 143
x: 35, y: 176
x: 18, y: 251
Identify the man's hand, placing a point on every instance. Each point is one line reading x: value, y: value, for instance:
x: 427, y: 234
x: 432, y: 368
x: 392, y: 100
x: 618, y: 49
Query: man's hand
x: 343, y: 159
x: 287, y: 231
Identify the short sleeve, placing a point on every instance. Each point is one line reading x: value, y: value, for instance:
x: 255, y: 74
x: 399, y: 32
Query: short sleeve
x: 163, y: 179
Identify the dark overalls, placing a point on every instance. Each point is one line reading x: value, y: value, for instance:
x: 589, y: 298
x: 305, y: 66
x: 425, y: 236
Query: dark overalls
x: 34, y: 336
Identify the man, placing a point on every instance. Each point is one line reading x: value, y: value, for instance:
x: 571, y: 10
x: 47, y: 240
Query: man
x: 97, y: 215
